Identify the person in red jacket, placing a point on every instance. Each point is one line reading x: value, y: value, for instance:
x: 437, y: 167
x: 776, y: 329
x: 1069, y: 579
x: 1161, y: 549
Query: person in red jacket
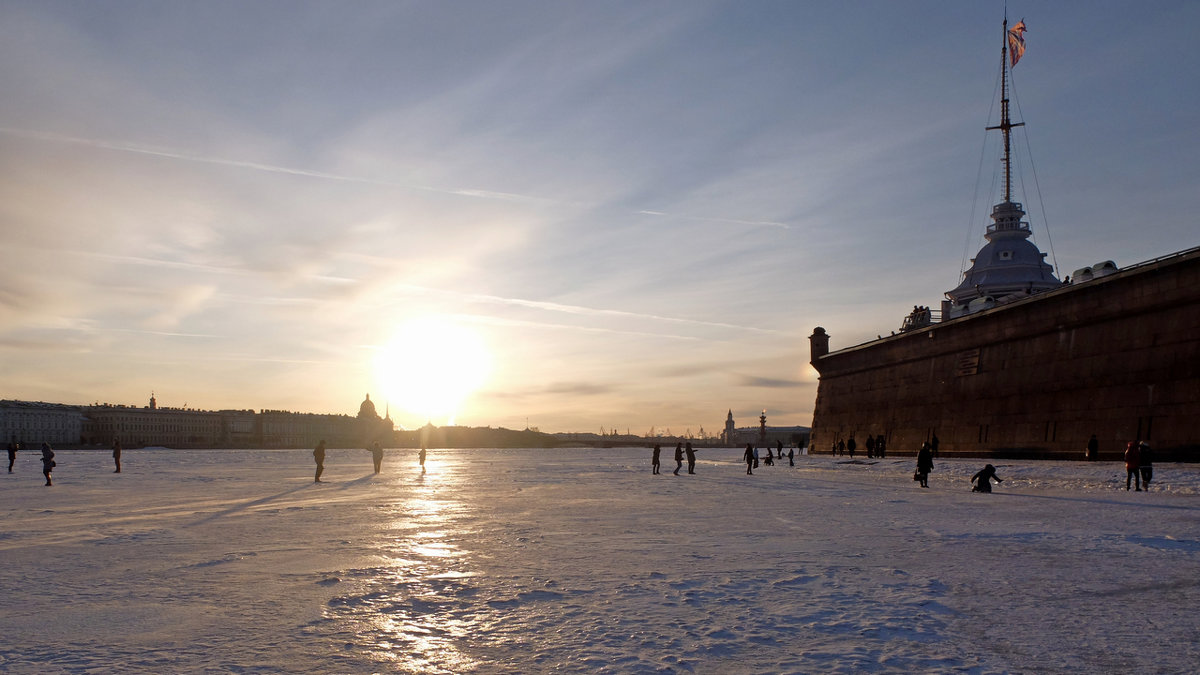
x: 1132, y: 457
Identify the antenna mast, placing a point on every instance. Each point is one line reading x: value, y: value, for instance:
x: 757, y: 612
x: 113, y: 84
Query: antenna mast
x: 1006, y: 126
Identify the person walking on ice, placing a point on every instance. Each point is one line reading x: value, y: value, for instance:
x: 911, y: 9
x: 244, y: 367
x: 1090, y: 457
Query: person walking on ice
x: 678, y: 457
x: 377, y: 455
x: 1145, y: 464
x: 749, y: 457
x: 924, y: 464
x: 48, y: 462
x: 421, y: 459
x: 319, y: 457
x: 12, y: 455
x: 117, y: 455
x: 1132, y: 463
x: 691, y: 457
x: 654, y: 461
x: 983, y: 479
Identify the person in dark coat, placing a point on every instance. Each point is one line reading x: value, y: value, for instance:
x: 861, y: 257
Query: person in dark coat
x: 983, y: 479
x: 749, y: 457
x: 678, y: 457
x: 1093, y: 448
x: 870, y: 446
x: 117, y: 455
x: 421, y: 458
x: 791, y: 457
x: 880, y: 447
x: 654, y: 461
x: 1132, y: 461
x: 691, y: 458
x: 841, y: 447
x: 924, y: 464
x: 1145, y: 464
x: 770, y: 460
x: 319, y: 456
x: 12, y: 455
x: 48, y: 462
x: 377, y: 455
x: 851, y: 446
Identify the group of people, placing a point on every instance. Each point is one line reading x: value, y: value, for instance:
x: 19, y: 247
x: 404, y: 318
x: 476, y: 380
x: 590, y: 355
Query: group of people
x: 376, y: 458
x: 681, y: 451
x: 48, y: 462
x: 750, y: 456
x: 1139, y: 465
x: 876, y: 447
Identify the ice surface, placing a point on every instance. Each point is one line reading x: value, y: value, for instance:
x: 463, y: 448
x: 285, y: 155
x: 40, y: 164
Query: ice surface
x: 519, y: 561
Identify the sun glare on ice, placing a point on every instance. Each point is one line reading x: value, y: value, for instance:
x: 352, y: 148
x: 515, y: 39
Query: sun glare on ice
x: 430, y: 366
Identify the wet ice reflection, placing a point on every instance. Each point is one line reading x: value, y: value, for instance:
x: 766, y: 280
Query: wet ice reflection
x: 415, y: 611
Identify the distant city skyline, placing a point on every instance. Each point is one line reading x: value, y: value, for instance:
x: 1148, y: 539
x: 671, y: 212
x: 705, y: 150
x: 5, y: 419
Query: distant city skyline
x: 577, y: 214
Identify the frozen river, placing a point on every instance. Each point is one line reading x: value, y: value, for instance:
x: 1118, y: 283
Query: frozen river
x: 519, y: 561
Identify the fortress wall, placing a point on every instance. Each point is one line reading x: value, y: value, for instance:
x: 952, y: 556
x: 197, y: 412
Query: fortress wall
x: 1118, y: 357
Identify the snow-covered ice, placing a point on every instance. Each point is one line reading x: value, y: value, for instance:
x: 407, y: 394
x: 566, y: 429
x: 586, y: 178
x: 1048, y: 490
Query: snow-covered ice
x: 519, y: 561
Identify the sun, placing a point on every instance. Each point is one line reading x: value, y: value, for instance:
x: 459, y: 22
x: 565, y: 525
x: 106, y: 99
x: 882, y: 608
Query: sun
x: 431, y: 365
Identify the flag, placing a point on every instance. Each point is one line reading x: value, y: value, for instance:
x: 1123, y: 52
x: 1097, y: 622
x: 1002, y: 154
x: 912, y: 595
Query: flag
x: 1016, y: 42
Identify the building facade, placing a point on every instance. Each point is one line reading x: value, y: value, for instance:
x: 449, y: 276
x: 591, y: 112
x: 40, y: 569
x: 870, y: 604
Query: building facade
x: 32, y: 423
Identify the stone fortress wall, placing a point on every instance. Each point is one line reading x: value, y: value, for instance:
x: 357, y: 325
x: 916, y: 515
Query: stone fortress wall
x: 1117, y: 356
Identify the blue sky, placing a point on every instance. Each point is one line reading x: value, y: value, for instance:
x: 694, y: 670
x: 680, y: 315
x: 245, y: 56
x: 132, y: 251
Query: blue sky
x: 607, y: 215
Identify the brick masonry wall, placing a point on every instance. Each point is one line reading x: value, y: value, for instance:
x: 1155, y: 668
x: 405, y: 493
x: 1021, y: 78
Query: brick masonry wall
x: 1118, y: 357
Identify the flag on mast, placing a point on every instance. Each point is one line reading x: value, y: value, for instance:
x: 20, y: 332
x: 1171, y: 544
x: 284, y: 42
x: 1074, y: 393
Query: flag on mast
x: 1016, y: 42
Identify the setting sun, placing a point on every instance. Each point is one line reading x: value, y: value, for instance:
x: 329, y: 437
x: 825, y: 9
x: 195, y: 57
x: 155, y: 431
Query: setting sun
x: 430, y: 366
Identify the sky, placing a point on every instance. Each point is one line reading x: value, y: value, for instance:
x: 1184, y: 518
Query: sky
x: 571, y: 216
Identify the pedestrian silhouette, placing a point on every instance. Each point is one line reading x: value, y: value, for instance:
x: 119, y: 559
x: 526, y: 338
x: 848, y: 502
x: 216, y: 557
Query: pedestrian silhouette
x: 48, y: 462
x: 678, y: 457
x: 1145, y: 463
x: 421, y: 458
x: 749, y: 457
x: 654, y: 461
x: 376, y: 455
x: 319, y: 457
x: 12, y: 455
x: 983, y: 479
x: 1132, y: 463
x: 691, y: 458
x: 791, y: 457
x: 924, y: 465
x: 117, y: 455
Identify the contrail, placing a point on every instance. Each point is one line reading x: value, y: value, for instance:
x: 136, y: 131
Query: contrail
x: 308, y: 173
